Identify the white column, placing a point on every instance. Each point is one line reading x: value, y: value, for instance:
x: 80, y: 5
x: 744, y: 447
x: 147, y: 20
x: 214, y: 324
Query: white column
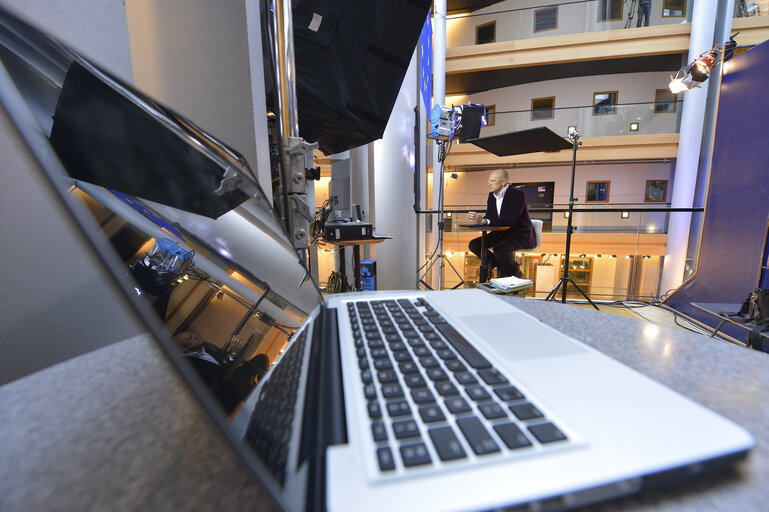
x: 439, y: 98
x: 689, y: 144
x: 392, y: 180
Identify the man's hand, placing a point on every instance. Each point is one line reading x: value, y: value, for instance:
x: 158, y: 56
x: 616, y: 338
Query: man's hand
x: 475, y: 218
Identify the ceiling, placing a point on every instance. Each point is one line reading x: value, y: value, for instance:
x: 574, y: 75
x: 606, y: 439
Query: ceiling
x: 462, y: 6
x: 478, y: 81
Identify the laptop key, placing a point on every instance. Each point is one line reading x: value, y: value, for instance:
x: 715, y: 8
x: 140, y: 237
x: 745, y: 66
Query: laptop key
x: 508, y: 393
x: 456, y: 366
x: 366, y: 376
x: 431, y: 414
x: 446, y: 354
x: 547, y: 433
x: 398, y: 408
x: 465, y: 349
x: 392, y: 391
x: 414, y: 380
x: 428, y: 362
x: 421, y: 351
x: 446, y: 443
x: 405, y: 429
x: 457, y: 405
x: 370, y: 391
x: 374, y: 411
x: 402, y: 357
x: 415, y: 455
x: 477, y: 393
x: 492, y: 377
x: 446, y: 389
x: 437, y: 374
x: 378, y: 353
x: 387, y: 376
x: 408, y: 367
x: 512, y: 436
x: 379, y: 431
x: 397, y: 346
x: 477, y: 436
x: 465, y: 378
x: 385, y: 459
x: 383, y: 364
x: 492, y: 411
x: 422, y: 396
x: 526, y: 411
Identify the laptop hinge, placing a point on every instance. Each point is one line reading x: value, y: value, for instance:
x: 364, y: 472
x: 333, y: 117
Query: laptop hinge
x: 324, y: 421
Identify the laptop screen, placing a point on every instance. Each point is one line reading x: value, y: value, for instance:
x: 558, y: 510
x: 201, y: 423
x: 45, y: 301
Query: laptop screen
x: 208, y: 265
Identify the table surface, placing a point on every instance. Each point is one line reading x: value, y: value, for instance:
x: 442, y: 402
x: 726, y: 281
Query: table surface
x: 127, y: 435
x: 482, y: 227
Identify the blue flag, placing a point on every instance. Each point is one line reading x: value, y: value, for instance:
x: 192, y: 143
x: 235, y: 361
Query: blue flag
x: 426, y: 63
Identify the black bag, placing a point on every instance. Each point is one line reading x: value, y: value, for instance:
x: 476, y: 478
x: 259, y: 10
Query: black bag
x: 754, y: 311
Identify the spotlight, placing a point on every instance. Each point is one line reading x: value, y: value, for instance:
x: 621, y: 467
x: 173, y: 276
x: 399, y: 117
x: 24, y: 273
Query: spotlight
x: 582, y: 255
x: 624, y: 215
x: 565, y: 215
x: 597, y: 255
x: 647, y: 257
x: 693, y: 75
x: 627, y: 257
x: 571, y: 131
x: 613, y: 256
x: 633, y: 127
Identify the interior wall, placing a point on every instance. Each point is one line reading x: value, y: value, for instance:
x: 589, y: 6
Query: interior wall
x: 56, y: 304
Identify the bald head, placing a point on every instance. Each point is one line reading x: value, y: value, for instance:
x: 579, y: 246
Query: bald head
x: 498, y: 180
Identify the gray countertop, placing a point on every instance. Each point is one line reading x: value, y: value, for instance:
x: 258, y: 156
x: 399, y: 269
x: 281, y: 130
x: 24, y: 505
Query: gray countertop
x: 127, y: 434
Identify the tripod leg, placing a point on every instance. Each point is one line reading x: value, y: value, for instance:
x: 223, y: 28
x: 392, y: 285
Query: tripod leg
x: 462, y: 281
x: 583, y: 294
x: 551, y: 295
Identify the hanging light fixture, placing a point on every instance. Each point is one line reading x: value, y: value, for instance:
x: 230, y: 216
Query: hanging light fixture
x: 695, y: 74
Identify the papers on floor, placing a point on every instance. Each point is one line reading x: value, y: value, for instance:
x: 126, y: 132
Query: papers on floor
x: 510, y: 283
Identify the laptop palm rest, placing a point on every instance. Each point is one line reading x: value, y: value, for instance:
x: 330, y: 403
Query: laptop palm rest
x: 516, y: 337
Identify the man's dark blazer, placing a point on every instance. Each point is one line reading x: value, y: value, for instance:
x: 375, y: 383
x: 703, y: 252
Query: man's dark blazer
x: 514, y: 213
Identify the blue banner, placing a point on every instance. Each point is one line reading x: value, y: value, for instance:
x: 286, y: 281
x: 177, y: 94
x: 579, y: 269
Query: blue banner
x: 426, y: 63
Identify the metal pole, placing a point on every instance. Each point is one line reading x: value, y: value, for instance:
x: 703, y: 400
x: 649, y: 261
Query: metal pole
x: 571, y: 215
x: 283, y: 52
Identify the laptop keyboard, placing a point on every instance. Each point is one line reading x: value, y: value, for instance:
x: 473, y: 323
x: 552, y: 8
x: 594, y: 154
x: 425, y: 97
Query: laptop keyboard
x: 270, y: 428
x: 430, y: 393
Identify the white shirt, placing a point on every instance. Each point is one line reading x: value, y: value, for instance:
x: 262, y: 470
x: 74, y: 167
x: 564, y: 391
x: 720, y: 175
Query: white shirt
x: 499, y: 197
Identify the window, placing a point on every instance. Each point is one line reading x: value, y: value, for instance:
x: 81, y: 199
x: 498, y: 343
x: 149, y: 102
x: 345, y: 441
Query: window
x: 610, y: 10
x: 604, y: 103
x: 597, y: 192
x: 491, y: 115
x: 656, y: 191
x: 673, y: 8
x: 546, y: 19
x: 542, y: 108
x: 486, y: 33
x: 664, y: 101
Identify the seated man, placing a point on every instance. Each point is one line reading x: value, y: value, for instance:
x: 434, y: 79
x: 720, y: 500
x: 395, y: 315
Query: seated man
x: 506, y: 206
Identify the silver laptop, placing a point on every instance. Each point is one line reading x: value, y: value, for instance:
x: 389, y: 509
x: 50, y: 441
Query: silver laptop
x: 452, y: 400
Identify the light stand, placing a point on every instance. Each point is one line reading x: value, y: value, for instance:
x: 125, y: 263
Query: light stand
x: 439, y: 249
x: 565, y: 280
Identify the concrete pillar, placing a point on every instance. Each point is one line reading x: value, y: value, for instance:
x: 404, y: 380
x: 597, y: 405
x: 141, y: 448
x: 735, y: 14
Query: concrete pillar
x: 689, y: 145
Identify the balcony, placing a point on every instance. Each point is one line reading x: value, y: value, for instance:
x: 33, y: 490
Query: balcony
x: 483, y: 47
x: 638, y: 131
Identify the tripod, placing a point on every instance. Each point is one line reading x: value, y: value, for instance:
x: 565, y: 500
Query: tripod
x: 565, y: 280
x: 439, y: 247
x: 633, y: 7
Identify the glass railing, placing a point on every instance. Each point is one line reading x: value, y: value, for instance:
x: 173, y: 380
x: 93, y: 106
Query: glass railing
x: 594, y: 121
x: 746, y: 9
x: 616, y: 250
x: 509, y: 21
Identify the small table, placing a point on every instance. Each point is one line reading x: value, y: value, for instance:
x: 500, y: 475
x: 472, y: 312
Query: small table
x: 483, y: 228
x: 355, y: 243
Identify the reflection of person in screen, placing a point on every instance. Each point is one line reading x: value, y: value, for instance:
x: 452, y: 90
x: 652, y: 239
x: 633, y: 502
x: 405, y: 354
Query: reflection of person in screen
x: 506, y: 206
